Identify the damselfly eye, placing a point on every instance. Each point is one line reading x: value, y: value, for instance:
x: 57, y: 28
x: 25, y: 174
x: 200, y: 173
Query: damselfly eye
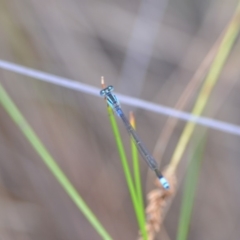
x: 102, y: 92
x: 110, y: 88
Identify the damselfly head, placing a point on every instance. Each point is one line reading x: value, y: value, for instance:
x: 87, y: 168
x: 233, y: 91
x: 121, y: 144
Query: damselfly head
x: 102, y: 92
x: 106, y: 90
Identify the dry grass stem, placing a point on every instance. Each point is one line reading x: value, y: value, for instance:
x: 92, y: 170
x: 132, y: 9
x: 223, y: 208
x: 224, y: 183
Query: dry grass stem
x: 158, y: 198
x: 103, y: 82
x: 157, y: 202
x: 185, y: 97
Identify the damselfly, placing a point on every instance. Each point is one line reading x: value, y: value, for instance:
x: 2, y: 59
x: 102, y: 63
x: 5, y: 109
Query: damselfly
x: 115, y: 105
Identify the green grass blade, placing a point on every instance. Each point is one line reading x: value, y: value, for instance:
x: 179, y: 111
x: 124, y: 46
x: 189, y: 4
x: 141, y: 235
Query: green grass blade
x: 36, y: 143
x: 127, y: 172
x: 211, y: 79
x: 136, y: 168
x: 190, y: 185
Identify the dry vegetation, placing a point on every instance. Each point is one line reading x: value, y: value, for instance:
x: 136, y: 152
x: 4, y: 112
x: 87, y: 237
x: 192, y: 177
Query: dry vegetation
x: 84, y: 40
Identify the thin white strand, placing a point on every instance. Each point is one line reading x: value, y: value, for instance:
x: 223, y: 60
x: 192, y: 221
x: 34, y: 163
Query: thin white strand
x: 68, y: 83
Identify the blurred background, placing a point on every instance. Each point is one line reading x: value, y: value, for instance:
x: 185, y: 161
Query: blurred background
x: 146, y: 49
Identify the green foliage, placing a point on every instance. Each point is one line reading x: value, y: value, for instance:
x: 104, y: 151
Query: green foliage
x: 52, y: 165
x: 136, y: 169
x: 137, y: 202
x: 212, y: 77
x: 190, y: 185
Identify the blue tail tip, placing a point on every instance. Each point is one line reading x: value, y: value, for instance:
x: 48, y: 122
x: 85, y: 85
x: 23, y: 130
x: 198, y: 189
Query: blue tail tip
x: 164, y: 182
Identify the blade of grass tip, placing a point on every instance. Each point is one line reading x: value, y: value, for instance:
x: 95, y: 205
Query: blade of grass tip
x: 127, y: 172
x: 210, y: 81
x: 136, y: 168
x: 51, y: 164
x: 139, y: 214
x: 190, y: 185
